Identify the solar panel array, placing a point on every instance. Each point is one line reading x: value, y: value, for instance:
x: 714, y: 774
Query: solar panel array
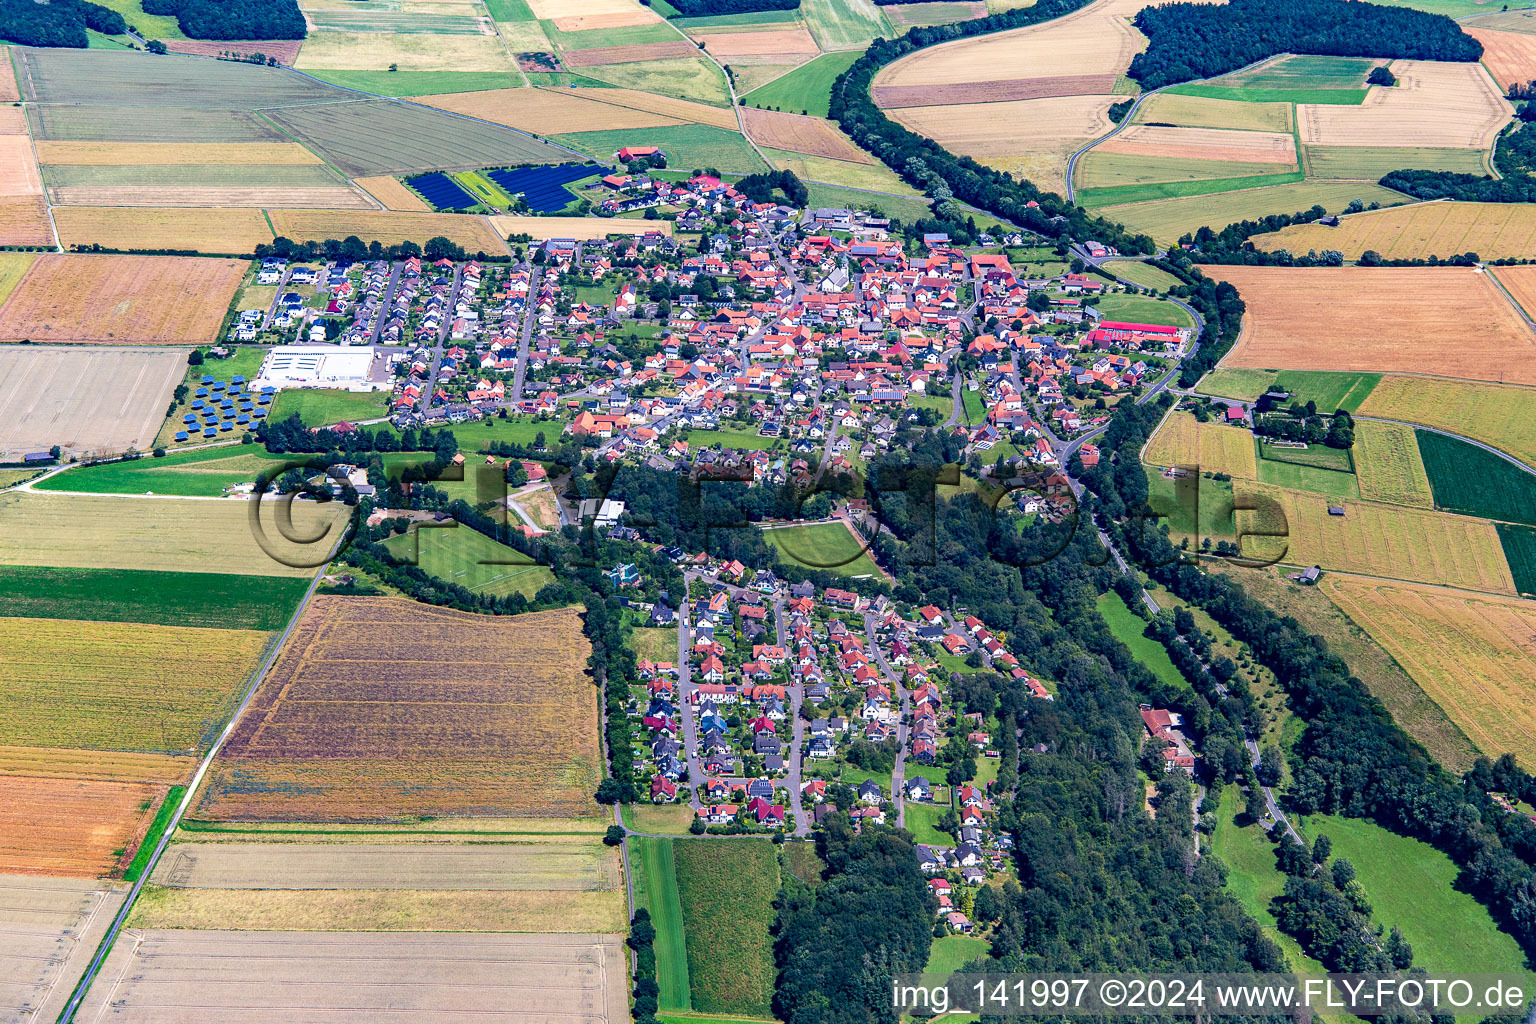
x: 544, y: 187
x: 443, y: 192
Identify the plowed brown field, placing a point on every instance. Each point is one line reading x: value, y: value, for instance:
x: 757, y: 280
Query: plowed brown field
x: 779, y: 42
x: 71, y: 827
x: 121, y: 300
x: 382, y: 709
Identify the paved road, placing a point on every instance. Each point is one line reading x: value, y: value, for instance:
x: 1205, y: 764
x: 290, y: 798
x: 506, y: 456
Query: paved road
x: 525, y: 335
x: 385, y: 298
x: 690, y: 727
x: 904, y: 696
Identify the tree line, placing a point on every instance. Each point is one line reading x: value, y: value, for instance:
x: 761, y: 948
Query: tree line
x: 233, y: 19
x: 1190, y: 41
x: 355, y: 250
x: 696, y: 8
x: 1515, y: 157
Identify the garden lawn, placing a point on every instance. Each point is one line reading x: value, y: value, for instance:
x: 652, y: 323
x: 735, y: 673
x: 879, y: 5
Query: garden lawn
x: 321, y: 408
x: 469, y: 558
x: 211, y: 599
x: 738, y: 439
x: 727, y: 887
x: 923, y: 822
x: 808, y: 88
x: 829, y: 546
x: 1127, y: 627
x: 952, y: 952
x: 656, y: 890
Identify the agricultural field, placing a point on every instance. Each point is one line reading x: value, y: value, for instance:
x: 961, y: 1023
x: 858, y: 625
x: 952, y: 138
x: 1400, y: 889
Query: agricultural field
x: 574, y: 227
x: 88, y: 401
x: 1291, y: 79
x: 318, y: 407
x: 120, y: 685
x: 1474, y: 655
x: 1143, y: 309
x: 392, y: 194
x: 499, y: 978
x: 844, y: 24
x: 1390, y: 541
x: 1204, y: 112
x: 53, y: 926
x: 1220, y: 146
x: 1167, y: 219
x: 824, y: 546
x: 472, y: 233
x: 336, y: 733
x: 211, y: 231
x: 1520, y: 549
x: 655, y: 878
x: 1370, y: 163
x: 409, y: 51
x: 1142, y: 274
x: 547, y: 112
x: 664, y: 106
x: 24, y: 221
x: 807, y: 88
x: 72, y: 827
x: 120, y: 300
x: 1510, y: 57
x: 1433, y: 104
x: 202, y: 599
x: 1520, y: 282
x: 165, y: 534
x: 1494, y: 414
x: 1388, y: 465
x: 802, y: 134
x: 1308, y: 470
x: 203, y: 473
x: 727, y: 889
x: 471, y: 559
x: 1469, y: 480
x: 1491, y: 230
x: 1379, y: 319
x: 687, y: 146
x: 694, y: 79
x: 1214, y: 447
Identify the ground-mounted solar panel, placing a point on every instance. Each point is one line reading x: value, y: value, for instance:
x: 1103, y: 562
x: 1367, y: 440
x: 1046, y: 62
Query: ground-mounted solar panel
x: 442, y: 191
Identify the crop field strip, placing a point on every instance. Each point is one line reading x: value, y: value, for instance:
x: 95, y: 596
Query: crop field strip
x: 472, y: 560
x: 803, y: 134
x: 51, y: 928
x: 1471, y: 481
x: 118, y: 154
x: 180, y: 976
x: 388, y: 228
x: 360, y: 708
x: 1420, y: 230
x: 1371, y: 163
x: 391, y: 194
x: 199, y: 599
x: 1509, y: 56
x: 1472, y: 654
x: 666, y: 106
x: 121, y: 300
x: 84, y: 399
x: 1388, y: 465
x: 199, y: 230
x: 779, y: 44
x: 1433, y: 104
x: 1201, y: 112
x: 72, y: 828
x: 1213, y: 447
x: 1497, y: 415
x: 544, y: 112
x: 727, y: 889
x: 1380, y: 319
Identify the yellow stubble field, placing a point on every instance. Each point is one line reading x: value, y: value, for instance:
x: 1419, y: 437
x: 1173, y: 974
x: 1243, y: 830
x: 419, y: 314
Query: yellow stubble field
x: 1183, y: 440
x: 1433, y: 104
x: 1388, y: 465
x: 1419, y: 230
x: 543, y: 112
x: 1495, y: 414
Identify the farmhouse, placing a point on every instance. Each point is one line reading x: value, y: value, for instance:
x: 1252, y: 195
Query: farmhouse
x: 349, y: 367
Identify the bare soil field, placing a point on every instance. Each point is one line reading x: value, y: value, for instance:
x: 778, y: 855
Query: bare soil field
x: 85, y: 400
x: 582, y: 865
x: 633, y: 54
x: 170, y: 534
x: 221, y: 231
x: 1183, y: 440
x: 669, y: 106
x: 1494, y: 414
x: 121, y: 154
x: 1203, y: 112
x: 97, y: 765
x: 18, y: 170
x: 24, y: 221
x: 785, y: 43
x: 1447, y: 321
x: 178, y: 977
x: 576, y: 227
x: 336, y: 197
x: 1204, y: 144
x: 388, y: 228
x: 1509, y: 56
x: 571, y: 10
x: 1473, y: 655
x: 1373, y: 539
x: 72, y: 827
x: 382, y: 709
x: 392, y: 194
x: 1433, y: 104
x: 8, y: 92
x: 1418, y: 230
x: 50, y: 932
x: 802, y: 134
x: 285, y: 50
x: 546, y: 113
x: 994, y: 91
x: 121, y: 300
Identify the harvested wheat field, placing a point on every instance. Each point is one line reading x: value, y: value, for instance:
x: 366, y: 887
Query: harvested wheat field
x: 1520, y: 282
x: 72, y: 827
x: 1204, y: 144
x: 786, y: 45
x: 51, y: 928
x: 13, y: 121
x: 1433, y: 104
x: 24, y: 221
x: 991, y: 130
x: 133, y: 154
x: 221, y: 231
x: 333, y: 197
x: 1419, y: 230
x: 1448, y: 321
x: 90, y: 531
x: 1497, y: 415
x: 1474, y: 655
x: 1509, y: 56
x: 636, y: 53
x: 176, y: 977
x: 387, y: 228
x: 1388, y: 465
x: 801, y: 134
x: 993, y: 91
x: 392, y: 194
x: 580, y: 228
x: 1389, y: 541
x: 667, y: 106
x: 99, y: 765
x: 631, y: 15
x: 1214, y: 447
x: 382, y: 709
x: 409, y: 51
x: 18, y: 170
x: 85, y: 400
x: 570, y: 10
x: 8, y: 93
x: 544, y: 112
x: 576, y: 865
x: 121, y: 300
x: 1204, y: 112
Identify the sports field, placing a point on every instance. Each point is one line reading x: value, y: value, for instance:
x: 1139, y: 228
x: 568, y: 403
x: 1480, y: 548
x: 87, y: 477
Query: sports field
x: 1380, y: 319
x: 112, y: 532
x: 1388, y: 465
x: 1509, y: 56
x: 844, y: 24
x: 1167, y: 219
x: 214, y: 600
x: 824, y: 546
x: 1475, y: 482
x: 1493, y: 414
x: 1491, y: 230
x: 727, y: 888
x: 85, y: 400
x: 471, y: 559
x: 1214, y: 447
x: 1474, y: 655
x: 1370, y: 163
x: 1520, y: 282
x: 799, y: 133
